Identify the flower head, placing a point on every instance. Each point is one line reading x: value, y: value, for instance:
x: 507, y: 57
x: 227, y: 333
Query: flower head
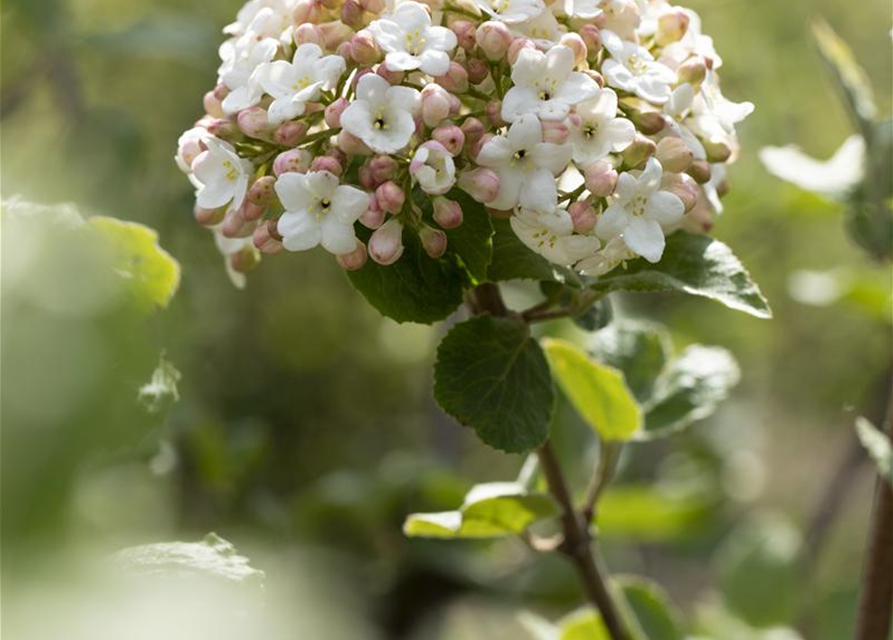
x: 597, y: 130
x: 294, y: 84
x: 411, y: 42
x: 633, y: 68
x: 433, y: 168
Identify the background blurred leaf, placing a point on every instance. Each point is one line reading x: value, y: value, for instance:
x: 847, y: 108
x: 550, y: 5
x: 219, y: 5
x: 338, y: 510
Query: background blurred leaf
x: 644, y: 513
x: 639, y: 349
x: 657, y: 616
x: 178, y: 36
x: 833, y: 178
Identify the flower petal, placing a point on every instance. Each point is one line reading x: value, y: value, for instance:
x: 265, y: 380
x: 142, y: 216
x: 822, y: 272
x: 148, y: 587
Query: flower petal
x: 612, y: 222
x: 539, y: 192
x: 299, y: 230
x: 337, y: 238
x: 646, y: 238
x: 349, y: 203
x: 665, y: 208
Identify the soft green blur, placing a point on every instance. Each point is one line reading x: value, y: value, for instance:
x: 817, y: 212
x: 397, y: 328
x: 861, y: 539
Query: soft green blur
x: 305, y: 428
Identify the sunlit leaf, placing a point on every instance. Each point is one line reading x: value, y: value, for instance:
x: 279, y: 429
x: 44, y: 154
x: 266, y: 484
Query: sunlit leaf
x: 584, y: 624
x: 878, y: 446
x: 644, y: 513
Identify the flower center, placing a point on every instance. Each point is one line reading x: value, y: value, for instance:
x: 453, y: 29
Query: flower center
x: 636, y: 64
x: 232, y: 173
x: 637, y: 206
x: 546, y: 88
x: 321, y: 208
x: 380, y: 123
x: 521, y: 157
x: 499, y: 6
x: 302, y: 83
x: 544, y: 236
x: 590, y: 130
x: 415, y: 42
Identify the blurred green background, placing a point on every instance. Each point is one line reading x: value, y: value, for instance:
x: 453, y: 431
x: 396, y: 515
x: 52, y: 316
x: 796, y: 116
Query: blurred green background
x: 306, y: 429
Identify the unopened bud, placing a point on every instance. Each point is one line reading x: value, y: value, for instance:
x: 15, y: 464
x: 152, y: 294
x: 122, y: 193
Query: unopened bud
x: 671, y: 26
x: 213, y: 106
x: 700, y: 219
x: 494, y: 113
x: 209, y: 217
x: 493, y: 39
x: 517, y: 45
x: 674, y: 155
x: 475, y: 148
x: 290, y: 134
x: 244, y: 260
x: 352, y: 145
x: 363, y: 48
x: 307, y: 33
x: 382, y: 168
x: 592, y: 38
x: 465, y: 34
x: 717, y: 151
x: 373, y: 217
x: 601, y: 178
x: 326, y: 163
x: 596, y: 77
x: 225, y: 129
x: 373, y: 6
x: 393, y: 77
x: 292, y: 161
x: 254, y: 123
x: 482, y: 184
x: 636, y: 155
x: 583, y: 215
x: 334, y: 33
x: 435, y: 104
x: 473, y: 129
x: 575, y: 43
x: 478, y: 70
x: 352, y: 14
x: 693, y: 71
x: 386, y: 243
x: 235, y: 225
x: 267, y: 239
x: 447, y: 213
x: 355, y: 259
x: 455, y: 79
x: 262, y: 191
x: 221, y: 91
x: 682, y: 186
x: 451, y: 137
x: 307, y: 11
x: 333, y: 112
x: 390, y: 197
x: 700, y: 171
x: 555, y: 131
x: 647, y: 118
x: 434, y: 241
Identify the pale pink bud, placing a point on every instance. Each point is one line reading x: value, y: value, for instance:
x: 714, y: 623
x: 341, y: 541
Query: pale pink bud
x: 478, y: 70
x: 366, y: 179
x: 209, y: 217
x: 583, y: 215
x: 352, y: 14
x: 254, y: 123
x: 671, y: 26
x: 355, y: 259
x: 683, y: 186
x: 700, y: 219
x: 435, y: 104
x: 221, y: 91
x: 386, y: 243
x: 292, y: 161
x: 212, y: 105
x: 326, y: 163
x: 473, y: 129
x: 723, y: 188
x: 235, y: 225
x: 464, y: 31
x: 493, y: 39
x: 307, y: 11
x: 267, y: 239
x: 674, y: 155
x: 290, y: 134
x: 647, y: 119
x: 451, y: 137
x: 447, y: 213
x: 475, y: 148
x: 518, y: 45
x: 333, y: 112
x: 637, y: 154
x: 700, y: 171
x: 592, y: 38
x: 262, y: 192
x: 717, y: 151
x: 454, y: 80
x: 393, y: 77
x: 225, y: 129
x: 390, y: 197
x: 482, y: 184
x: 555, y: 131
x: 455, y: 105
x: 351, y: 145
x: 373, y: 217
x: 434, y: 241
x: 334, y: 33
x: 244, y: 260
x: 494, y: 113
x: 363, y: 48
x: 575, y: 43
x: 373, y: 6
x: 382, y: 168
x: 601, y: 178
x: 329, y: 4
x: 343, y: 50
x: 307, y: 33
x: 693, y: 70
x: 252, y: 211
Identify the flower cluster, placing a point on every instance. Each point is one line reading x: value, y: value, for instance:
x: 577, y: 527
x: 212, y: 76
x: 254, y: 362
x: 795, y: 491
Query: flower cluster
x: 596, y: 126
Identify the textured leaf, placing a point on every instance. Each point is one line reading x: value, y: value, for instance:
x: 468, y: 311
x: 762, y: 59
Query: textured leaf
x: 657, y: 616
x: 640, y: 350
x: 513, y: 260
x: 490, y: 510
x: 878, y: 446
x: 151, y: 272
x: 492, y: 376
x: 598, y: 392
x: 696, y: 265
x: 416, y: 288
x: 689, y: 390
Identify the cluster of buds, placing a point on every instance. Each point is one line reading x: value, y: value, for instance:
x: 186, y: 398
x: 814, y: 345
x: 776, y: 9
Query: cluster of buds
x: 596, y: 126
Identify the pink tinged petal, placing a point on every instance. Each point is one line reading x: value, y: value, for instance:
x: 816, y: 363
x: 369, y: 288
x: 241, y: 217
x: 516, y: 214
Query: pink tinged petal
x: 441, y: 38
x: 292, y: 192
x: 525, y: 133
x: 349, y: 203
x: 337, y: 237
x: 646, y: 238
x: 627, y: 187
x: 299, y: 230
x: 553, y: 157
x: 510, y: 183
x: 612, y: 222
x: 620, y: 133
x: 434, y: 62
x: 539, y: 192
x: 519, y: 100
x: 402, y: 61
x: 664, y: 208
x: 496, y: 153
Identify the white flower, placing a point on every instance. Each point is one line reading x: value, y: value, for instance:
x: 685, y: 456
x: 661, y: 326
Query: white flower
x: 433, y: 168
x: 544, y: 30
x: 319, y: 211
x: 621, y: 17
x: 526, y: 166
x: 189, y: 146
x: 692, y: 43
x: 552, y: 236
x: 598, y: 131
x: 220, y: 176
x: 611, y: 255
x: 411, y: 42
x: 382, y: 115
x: 511, y: 11
x: 718, y: 175
x: 295, y: 83
x: 585, y: 9
x: 545, y: 84
x: 267, y: 18
x: 633, y: 68
x: 640, y: 212
x: 714, y: 116
x: 678, y: 109
x: 240, y: 61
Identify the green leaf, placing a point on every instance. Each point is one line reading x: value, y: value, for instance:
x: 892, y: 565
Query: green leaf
x: 689, y: 390
x: 597, y: 316
x: 213, y: 558
x: 696, y: 265
x: 472, y: 241
x: 162, y: 387
x: 656, y: 614
x: 492, y: 376
x: 878, y: 446
x: 513, y: 260
x: 642, y: 513
x: 151, y: 272
x: 416, y: 288
x: 598, y: 392
x: 639, y: 349
x: 490, y: 510
x: 583, y: 624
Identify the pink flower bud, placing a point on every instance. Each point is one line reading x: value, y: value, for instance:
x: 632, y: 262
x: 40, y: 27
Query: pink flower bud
x: 386, y: 244
x: 475, y: 148
x: 555, y: 131
x: 683, y: 186
x: 575, y: 43
x: 674, y: 155
x: 451, y: 137
x: 252, y: 211
x: 647, y: 119
x: 367, y: 181
x: 636, y: 155
x: 481, y: 184
x: 292, y: 161
x: 717, y: 151
x: 478, y: 70
x: 351, y: 145
x: 454, y: 80
x: 494, y: 38
x: 693, y: 70
x: 383, y: 168
x: 373, y: 217
x: 236, y: 226
x: 225, y: 129
x: 307, y: 33
x: 434, y: 241
x: 494, y: 113
x: 262, y: 192
x: 244, y: 260
x: 393, y: 77
x: 373, y: 6
x: 221, y: 91
x: 447, y: 213
x: 212, y: 105
x: 355, y: 259
x: 290, y: 134
x: 334, y: 33
x: 331, y: 5
x: 343, y: 50
x: 700, y: 219
x: 363, y: 48
x: 473, y: 129
x: 700, y: 171
x: 592, y: 38
x: 254, y: 123
x: 307, y: 11
x: 209, y: 217
x: 583, y: 215
x: 671, y: 26
x: 333, y: 112
x: 464, y: 31
x: 601, y: 178
x: 326, y: 163
x: 435, y: 104
x: 515, y: 48
x: 264, y: 239
x: 352, y: 14
x: 390, y: 197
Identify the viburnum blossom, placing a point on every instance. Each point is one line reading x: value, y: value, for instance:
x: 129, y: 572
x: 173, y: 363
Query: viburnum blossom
x: 598, y: 127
